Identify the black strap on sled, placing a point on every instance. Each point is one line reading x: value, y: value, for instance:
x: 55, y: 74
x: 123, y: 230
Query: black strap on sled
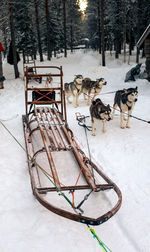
x: 85, y: 198
x: 81, y: 121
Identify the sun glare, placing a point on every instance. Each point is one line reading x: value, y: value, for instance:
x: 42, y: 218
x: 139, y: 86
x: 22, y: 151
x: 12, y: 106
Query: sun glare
x: 83, y: 5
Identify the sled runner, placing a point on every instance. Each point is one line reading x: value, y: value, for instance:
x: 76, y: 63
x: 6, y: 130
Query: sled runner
x: 63, y: 179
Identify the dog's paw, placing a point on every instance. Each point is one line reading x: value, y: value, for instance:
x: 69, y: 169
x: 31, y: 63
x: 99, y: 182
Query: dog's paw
x: 128, y: 126
x: 122, y: 127
x: 93, y: 134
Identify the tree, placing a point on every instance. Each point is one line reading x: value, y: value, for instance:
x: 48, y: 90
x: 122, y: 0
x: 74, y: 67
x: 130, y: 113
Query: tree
x: 12, y: 29
x: 26, y: 38
x: 38, y: 30
x: 65, y: 31
x: 102, y: 32
x: 49, y: 54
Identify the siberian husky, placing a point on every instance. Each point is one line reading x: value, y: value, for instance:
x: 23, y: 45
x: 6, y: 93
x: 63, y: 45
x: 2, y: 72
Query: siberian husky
x: 74, y: 89
x: 125, y: 99
x: 49, y: 80
x: 99, y: 111
x: 92, y: 87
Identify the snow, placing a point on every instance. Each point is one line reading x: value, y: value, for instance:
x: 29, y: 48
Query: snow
x: 123, y: 154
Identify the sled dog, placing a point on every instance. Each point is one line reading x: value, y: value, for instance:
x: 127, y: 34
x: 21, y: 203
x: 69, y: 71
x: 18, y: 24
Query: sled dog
x: 74, y: 89
x: 49, y: 80
x: 92, y: 87
x: 99, y: 111
x: 125, y: 99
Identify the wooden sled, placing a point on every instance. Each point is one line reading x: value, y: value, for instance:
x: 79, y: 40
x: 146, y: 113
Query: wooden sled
x: 57, y: 165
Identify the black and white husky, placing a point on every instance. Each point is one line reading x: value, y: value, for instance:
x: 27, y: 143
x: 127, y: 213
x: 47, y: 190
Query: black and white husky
x: 99, y: 111
x: 125, y: 99
x: 92, y: 87
x: 74, y: 89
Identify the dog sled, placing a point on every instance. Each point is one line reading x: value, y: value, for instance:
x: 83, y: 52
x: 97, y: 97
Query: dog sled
x: 63, y: 178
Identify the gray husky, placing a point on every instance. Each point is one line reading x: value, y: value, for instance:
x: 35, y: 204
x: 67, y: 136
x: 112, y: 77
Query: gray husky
x: 99, y: 111
x: 74, y: 89
x: 92, y: 87
x: 125, y: 99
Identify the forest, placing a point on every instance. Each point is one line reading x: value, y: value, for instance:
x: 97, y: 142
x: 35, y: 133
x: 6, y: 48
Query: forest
x: 48, y: 27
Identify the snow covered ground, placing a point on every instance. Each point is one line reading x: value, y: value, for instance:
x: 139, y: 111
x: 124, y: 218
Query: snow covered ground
x: 25, y: 225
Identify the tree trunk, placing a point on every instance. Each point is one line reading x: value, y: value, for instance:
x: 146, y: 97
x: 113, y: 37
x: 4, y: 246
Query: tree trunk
x: 124, y: 32
x: 116, y: 47
x: 102, y: 33
x: 49, y: 53
x: 137, y: 55
x: 71, y: 36
x: 99, y: 27
x: 12, y: 30
x: 38, y: 30
x: 65, y: 40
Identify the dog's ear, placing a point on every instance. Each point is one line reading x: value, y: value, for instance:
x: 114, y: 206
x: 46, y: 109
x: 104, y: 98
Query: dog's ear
x: 136, y: 88
x: 97, y: 100
x: 93, y: 102
x: 108, y: 106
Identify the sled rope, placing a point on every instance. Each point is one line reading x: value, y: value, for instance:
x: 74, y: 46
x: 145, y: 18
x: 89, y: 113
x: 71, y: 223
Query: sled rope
x: 59, y: 191
x: 92, y: 98
x: 111, y: 92
x: 135, y: 117
x: 102, y: 244
x: 80, y: 119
